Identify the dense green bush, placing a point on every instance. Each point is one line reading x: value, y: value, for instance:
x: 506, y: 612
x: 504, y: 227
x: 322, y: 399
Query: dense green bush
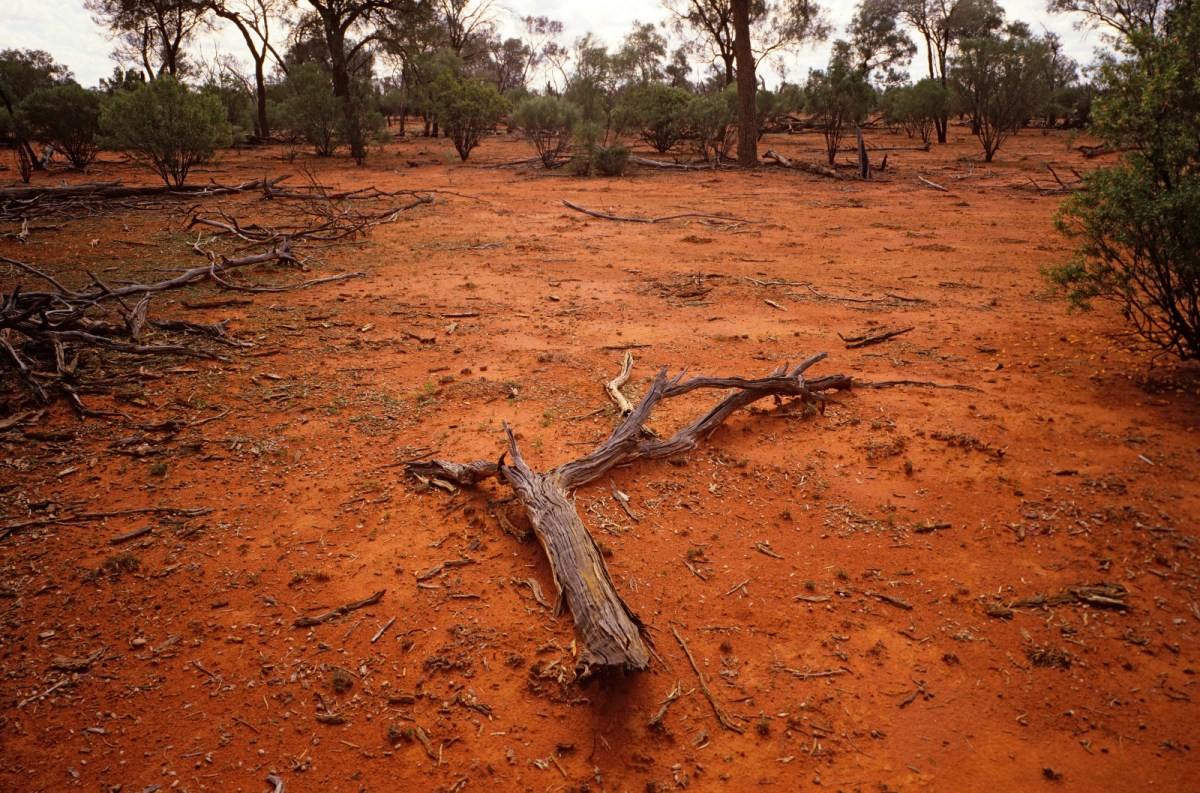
x: 915, y: 108
x: 1137, y: 225
x: 548, y: 123
x: 611, y: 160
x: 655, y: 112
x: 166, y: 127
x: 308, y: 108
x: 710, y: 119
x: 66, y: 117
x: 237, y: 101
x: 467, y: 109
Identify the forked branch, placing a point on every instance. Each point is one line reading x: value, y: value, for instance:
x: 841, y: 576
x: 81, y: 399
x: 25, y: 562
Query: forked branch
x: 612, y: 635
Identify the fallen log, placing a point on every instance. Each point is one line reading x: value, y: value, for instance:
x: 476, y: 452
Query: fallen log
x: 672, y: 166
x: 114, y: 190
x: 613, y: 638
x: 815, y: 170
x: 626, y: 219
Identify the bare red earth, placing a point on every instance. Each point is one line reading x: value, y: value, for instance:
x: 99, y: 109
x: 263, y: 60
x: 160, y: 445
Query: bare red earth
x: 875, y: 543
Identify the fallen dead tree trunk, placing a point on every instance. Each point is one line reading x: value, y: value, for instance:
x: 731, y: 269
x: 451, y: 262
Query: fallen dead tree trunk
x: 612, y: 635
x: 672, y: 166
x: 113, y: 190
x: 626, y: 219
x: 815, y: 170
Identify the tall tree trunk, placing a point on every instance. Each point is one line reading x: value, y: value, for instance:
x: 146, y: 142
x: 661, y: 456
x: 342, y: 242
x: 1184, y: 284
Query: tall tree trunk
x: 260, y: 97
x: 746, y: 86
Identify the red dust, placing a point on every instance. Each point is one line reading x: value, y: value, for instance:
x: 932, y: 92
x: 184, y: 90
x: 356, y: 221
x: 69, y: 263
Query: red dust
x: 846, y: 582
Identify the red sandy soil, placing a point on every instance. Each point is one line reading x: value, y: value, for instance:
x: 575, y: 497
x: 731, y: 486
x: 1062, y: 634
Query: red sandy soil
x: 869, y: 543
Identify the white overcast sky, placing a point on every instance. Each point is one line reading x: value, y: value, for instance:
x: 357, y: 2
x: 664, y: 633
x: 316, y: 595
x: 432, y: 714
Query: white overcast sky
x: 65, y: 30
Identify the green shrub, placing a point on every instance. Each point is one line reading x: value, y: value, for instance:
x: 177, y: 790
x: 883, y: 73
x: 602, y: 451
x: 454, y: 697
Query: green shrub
x: 66, y: 117
x: 467, y: 109
x: 611, y: 160
x: 710, y: 120
x: 838, y: 99
x: 656, y: 112
x: 548, y: 123
x: 1137, y: 225
x: 915, y: 108
x: 309, y: 109
x: 237, y: 101
x: 166, y: 127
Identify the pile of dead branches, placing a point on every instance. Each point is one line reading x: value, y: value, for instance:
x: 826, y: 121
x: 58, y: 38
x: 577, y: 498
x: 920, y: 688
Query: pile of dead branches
x: 54, y: 337
x: 23, y: 204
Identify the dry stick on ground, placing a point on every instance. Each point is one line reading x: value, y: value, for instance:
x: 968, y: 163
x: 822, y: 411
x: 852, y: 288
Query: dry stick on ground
x: 56, y: 320
x: 656, y: 722
x: 63, y: 321
x: 888, y: 296
x: 612, y: 635
x: 726, y: 720
x: 1104, y: 595
x: 873, y: 337
x: 614, y: 386
x: 672, y: 166
x: 918, y: 383
x: 815, y: 170
x: 308, y: 622
x: 112, y: 190
x: 934, y: 185
x: 605, y: 216
x: 82, y: 517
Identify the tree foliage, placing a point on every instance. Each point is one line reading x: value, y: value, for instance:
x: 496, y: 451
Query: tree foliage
x: 548, y: 123
x: 916, y: 108
x: 877, y: 43
x: 942, y: 24
x: 838, y: 98
x: 1136, y: 226
x: 997, y: 81
x: 774, y: 27
x: 308, y: 109
x: 468, y: 108
x: 151, y: 33
x: 66, y: 117
x: 166, y: 127
x: 656, y: 112
x: 21, y: 73
x: 710, y: 120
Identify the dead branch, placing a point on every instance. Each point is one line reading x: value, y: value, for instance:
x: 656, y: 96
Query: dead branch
x: 672, y: 166
x: 815, y: 170
x: 308, y: 622
x: 605, y: 216
x: 8, y: 530
x: 872, y: 337
x: 612, y: 635
x: 614, y: 386
x: 934, y: 185
x: 724, y: 718
x: 112, y: 190
x: 43, y: 330
x: 924, y: 147
x: 918, y: 383
x: 1104, y: 595
x: 656, y: 721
